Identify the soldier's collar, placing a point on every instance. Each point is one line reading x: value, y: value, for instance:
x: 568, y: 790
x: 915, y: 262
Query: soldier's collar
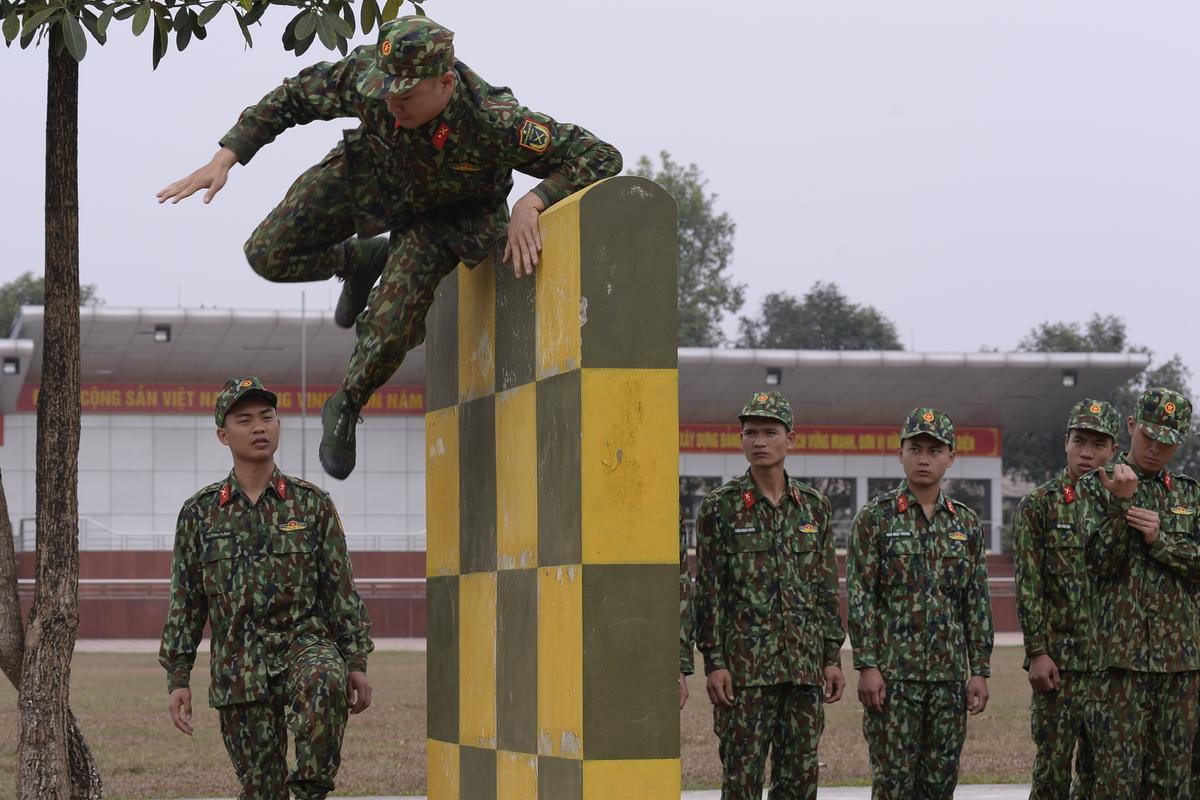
x: 751, y: 494
x: 906, y: 499
x: 230, y: 488
x: 1163, y: 476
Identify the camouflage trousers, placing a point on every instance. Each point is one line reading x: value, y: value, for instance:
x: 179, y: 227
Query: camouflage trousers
x: 1146, y: 724
x: 785, y: 719
x: 1059, y: 720
x: 309, y: 700
x: 916, y: 740
x: 309, y: 236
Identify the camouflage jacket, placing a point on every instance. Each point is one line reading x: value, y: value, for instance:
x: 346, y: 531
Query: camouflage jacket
x: 461, y: 162
x: 918, y: 591
x: 1055, y: 600
x: 766, y: 585
x: 687, y: 634
x: 1147, y: 593
x: 269, y: 577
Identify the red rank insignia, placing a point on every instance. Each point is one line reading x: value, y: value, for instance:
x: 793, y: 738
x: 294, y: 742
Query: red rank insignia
x: 1069, y: 494
x: 902, y: 504
x: 796, y: 495
x: 748, y: 498
x: 225, y: 495
x: 1167, y: 480
x: 950, y: 507
x: 441, y: 135
x: 281, y: 488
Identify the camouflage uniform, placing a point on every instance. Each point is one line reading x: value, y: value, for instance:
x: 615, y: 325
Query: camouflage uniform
x: 767, y: 610
x: 920, y: 614
x: 687, y: 623
x: 1150, y: 622
x: 273, y: 580
x: 440, y: 190
x: 1055, y: 607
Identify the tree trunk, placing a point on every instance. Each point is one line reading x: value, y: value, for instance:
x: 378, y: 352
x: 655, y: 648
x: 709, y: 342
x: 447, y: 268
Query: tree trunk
x: 43, y: 754
x: 85, y: 776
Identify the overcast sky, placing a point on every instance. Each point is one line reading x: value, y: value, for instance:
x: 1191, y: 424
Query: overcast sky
x: 972, y: 169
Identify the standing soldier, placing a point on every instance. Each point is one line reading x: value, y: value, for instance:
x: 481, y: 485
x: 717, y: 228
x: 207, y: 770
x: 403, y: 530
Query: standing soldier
x: 1146, y: 554
x: 920, y: 619
x: 687, y: 625
x: 262, y: 558
x: 1056, y: 608
x: 431, y: 162
x: 767, y: 619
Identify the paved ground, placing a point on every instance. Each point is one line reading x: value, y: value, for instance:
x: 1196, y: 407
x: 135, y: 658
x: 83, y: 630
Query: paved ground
x: 977, y: 792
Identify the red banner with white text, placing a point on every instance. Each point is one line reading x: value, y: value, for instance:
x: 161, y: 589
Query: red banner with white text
x: 832, y: 440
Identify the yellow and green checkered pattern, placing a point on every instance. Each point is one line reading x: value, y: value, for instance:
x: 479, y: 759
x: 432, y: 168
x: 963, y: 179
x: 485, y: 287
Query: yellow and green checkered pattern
x: 552, y: 512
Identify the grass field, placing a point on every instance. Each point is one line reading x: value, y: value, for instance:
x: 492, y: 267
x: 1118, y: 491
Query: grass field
x: 121, y: 704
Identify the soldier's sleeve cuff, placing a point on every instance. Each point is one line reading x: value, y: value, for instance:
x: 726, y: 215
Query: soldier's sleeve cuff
x: 356, y: 664
x: 1036, y: 647
x: 545, y: 193
x: 178, y: 679
x: 713, y: 663
x: 240, y: 146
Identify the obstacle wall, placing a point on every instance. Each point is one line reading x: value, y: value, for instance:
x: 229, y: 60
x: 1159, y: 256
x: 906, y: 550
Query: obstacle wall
x: 552, y: 512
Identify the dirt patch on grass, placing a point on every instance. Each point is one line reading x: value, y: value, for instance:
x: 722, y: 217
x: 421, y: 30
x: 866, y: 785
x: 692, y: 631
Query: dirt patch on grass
x: 121, y: 704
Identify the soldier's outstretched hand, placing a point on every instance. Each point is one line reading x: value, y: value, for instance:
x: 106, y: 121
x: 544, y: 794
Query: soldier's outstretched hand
x: 524, y: 236
x: 180, y: 704
x: 720, y: 687
x: 360, y: 692
x: 1123, y: 482
x: 977, y: 695
x: 835, y: 684
x: 872, y: 689
x: 211, y: 176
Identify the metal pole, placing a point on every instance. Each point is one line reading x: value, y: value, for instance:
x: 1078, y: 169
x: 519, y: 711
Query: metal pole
x: 303, y: 389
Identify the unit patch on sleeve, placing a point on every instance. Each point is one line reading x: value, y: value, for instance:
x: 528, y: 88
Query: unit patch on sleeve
x: 534, y: 136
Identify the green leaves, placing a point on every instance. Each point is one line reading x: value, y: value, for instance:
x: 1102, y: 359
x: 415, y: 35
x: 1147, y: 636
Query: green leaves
x: 141, y: 18
x: 11, y: 27
x: 73, y: 37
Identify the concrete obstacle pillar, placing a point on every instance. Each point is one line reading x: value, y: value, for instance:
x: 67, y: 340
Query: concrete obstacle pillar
x: 552, y: 512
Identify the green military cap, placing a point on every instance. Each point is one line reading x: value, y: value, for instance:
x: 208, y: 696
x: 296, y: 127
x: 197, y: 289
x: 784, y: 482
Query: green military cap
x: 1095, y: 415
x: 771, y: 405
x: 1164, y: 415
x: 237, y: 389
x: 933, y: 421
x: 410, y: 49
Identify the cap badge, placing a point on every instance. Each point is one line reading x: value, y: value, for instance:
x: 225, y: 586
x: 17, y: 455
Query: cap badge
x: 762, y: 398
x: 902, y: 504
x: 385, y: 49
x: 1169, y: 408
x: 245, y: 383
x: 441, y: 135
x: 927, y: 416
x: 1095, y: 408
x: 534, y: 136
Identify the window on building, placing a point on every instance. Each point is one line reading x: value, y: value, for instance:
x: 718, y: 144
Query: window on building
x: 877, y: 486
x: 840, y: 492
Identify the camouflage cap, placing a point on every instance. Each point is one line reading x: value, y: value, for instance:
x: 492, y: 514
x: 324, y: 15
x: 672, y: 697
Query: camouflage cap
x: 771, y: 405
x: 932, y: 421
x: 1164, y: 415
x: 238, y: 389
x: 1095, y: 415
x: 410, y: 49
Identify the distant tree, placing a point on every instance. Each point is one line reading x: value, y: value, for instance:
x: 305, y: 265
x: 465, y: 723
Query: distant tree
x: 27, y: 290
x: 706, y: 290
x: 824, y: 319
x: 1038, y: 456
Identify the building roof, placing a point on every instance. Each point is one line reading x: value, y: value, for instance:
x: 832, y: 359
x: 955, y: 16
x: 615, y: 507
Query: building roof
x: 1009, y: 390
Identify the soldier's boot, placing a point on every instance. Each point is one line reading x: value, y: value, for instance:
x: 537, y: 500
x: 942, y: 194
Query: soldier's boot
x: 339, y: 416
x: 371, y: 256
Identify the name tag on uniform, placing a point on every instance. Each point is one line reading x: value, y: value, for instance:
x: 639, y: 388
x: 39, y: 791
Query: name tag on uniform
x: 209, y: 535
x: 899, y: 534
x: 1063, y: 526
x: 958, y: 536
x: 292, y: 525
x: 808, y: 527
x: 751, y: 529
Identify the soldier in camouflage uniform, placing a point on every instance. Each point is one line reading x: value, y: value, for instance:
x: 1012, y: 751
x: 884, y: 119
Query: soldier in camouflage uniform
x: 767, y: 619
x: 920, y: 619
x: 261, y: 557
x: 431, y: 162
x: 1056, y: 608
x: 1145, y: 554
x: 687, y: 634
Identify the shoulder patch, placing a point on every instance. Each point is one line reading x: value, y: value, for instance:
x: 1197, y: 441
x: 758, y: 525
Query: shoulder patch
x: 533, y: 135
